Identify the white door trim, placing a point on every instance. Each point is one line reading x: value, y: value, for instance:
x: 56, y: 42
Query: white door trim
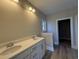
x: 71, y: 28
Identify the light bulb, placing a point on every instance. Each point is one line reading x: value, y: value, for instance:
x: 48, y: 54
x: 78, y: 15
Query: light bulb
x: 33, y: 10
x: 16, y: 1
x: 30, y: 8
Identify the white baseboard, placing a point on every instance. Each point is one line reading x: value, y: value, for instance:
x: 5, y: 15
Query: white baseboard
x: 56, y: 43
x: 74, y: 47
x: 50, y: 48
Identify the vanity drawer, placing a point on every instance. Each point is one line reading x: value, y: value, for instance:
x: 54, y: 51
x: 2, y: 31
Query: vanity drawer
x: 26, y: 52
x: 22, y: 55
x: 26, y: 57
x: 34, y: 48
x: 34, y: 55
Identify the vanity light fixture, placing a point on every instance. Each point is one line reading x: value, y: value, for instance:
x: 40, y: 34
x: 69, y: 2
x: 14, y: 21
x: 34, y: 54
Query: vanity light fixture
x: 29, y: 8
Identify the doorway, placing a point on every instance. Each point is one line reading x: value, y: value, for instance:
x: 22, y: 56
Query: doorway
x: 64, y: 32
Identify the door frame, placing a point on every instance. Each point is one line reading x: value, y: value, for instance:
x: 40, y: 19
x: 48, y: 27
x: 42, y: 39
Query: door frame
x: 71, y: 30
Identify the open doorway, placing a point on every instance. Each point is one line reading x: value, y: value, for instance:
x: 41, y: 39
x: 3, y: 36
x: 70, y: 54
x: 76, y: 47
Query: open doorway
x: 64, y: 32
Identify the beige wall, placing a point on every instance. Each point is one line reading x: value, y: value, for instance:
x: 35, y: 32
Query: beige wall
x: 52, y: 26
x: 16, y: 22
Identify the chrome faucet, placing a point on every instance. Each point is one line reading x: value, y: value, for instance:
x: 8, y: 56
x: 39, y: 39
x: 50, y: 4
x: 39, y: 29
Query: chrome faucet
x: 10, y: 44
x: 34, y: 37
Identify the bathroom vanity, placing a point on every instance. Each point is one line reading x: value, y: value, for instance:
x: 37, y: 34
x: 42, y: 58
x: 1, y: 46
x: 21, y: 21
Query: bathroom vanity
x: 28, y: 49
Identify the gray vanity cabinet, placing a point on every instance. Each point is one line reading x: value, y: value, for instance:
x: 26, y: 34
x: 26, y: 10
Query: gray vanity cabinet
x: 37, y: 51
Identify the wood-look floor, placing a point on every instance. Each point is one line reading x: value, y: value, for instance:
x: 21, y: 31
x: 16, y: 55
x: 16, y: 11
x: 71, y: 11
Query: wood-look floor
x: 62, y: 52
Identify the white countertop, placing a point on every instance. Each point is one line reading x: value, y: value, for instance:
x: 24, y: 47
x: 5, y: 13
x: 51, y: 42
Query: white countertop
x: 25, y: 45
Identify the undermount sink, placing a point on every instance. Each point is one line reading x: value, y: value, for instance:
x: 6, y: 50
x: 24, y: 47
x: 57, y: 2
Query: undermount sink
x: 10, y: 50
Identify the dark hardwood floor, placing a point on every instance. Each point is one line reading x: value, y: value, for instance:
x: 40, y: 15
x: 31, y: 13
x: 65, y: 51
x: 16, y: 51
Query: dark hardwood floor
x: 63, y: 51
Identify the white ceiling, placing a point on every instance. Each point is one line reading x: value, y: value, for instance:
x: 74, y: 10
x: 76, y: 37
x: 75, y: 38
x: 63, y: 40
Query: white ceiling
x: 53, y: 6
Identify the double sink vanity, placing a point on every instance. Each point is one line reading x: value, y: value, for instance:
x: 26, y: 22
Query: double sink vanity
x: 25, y: 49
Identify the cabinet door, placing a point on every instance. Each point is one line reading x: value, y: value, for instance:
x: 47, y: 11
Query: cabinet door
x: 35, y: 52
x: 34, y: 55
x: 27, y: 57
x: 41, y: 49
x: 44, y: 47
